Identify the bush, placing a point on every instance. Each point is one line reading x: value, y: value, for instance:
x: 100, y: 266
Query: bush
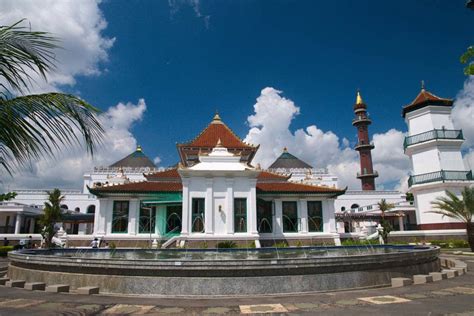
x: 356, y: 242
x: 4, y: 250
x: 226, y: 244
x: 450, y: 243
x: 281, y: 244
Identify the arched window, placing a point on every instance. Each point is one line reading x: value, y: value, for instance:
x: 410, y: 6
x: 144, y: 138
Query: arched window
x: 343, y: 209
x: 91, y: 209
x: 77, y: 209
x: 353, y: 206
x: 64, y: 206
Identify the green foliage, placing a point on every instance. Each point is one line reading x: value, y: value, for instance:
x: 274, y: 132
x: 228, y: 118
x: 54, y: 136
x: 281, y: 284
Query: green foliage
x: 112, y: 245
x: 280, y: 244
x: 454, y: 207
x: 4, y: 250
x: 51, y: 215
x: 410, y: 197
x: 450, y: 243
x: 299, y: 243
x: 384, y: 207
x: 203, y: 245
x: 7, y: 196
x: 356, y: 242
x: 468, y: 58
x: 32, y: 126
x: 226, y: 244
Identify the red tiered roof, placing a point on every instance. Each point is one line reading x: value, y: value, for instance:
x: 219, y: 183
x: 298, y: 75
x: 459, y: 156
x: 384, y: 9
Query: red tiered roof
x: 168, y: 174
x: 272, y: 176
x: 425, y: 98
x: 138, y: 187
x: 291, y: 187
x: 213, y: 132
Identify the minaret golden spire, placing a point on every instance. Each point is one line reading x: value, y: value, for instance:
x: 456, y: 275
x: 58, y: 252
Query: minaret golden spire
x: 359, y: 98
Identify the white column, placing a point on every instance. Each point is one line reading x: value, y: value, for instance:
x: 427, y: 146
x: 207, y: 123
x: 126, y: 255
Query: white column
x: 133, y: 216
x: 329, y: 216
x: 186, y: 211
x: 400, y: 223
x: 252, y: 210
x: 209, y: 212
x: 230, y: 205
x: 19, y: 219
x: 99, y: 218
x: 303, y: 215
x: 277, y: 220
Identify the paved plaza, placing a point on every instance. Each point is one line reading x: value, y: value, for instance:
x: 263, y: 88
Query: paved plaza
x: 448, y: 297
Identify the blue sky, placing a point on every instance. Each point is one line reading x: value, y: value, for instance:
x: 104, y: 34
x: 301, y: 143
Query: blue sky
x: 318, y: 53
x: 187, y: 58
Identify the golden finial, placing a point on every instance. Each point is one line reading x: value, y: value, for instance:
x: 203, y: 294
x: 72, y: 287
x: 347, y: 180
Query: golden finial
x: 359, y: 98
x: 139, y: 148
x: 285, y: 150
x: 422, y: 85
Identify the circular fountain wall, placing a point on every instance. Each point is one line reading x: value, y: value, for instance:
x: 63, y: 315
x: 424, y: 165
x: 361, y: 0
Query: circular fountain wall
x: 223, y: 272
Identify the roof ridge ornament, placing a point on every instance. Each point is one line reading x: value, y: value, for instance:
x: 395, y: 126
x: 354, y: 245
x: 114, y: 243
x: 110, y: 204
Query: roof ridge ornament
x: 139, y: 148
x: 217, y: 119
x: 423, y: 86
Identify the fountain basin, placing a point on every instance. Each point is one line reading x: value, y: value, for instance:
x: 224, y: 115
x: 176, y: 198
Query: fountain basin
x: 225, y: 272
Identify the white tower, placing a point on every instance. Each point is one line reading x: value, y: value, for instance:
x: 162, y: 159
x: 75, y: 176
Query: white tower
x: 434, y: 147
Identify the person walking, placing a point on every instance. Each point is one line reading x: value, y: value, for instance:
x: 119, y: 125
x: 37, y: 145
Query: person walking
x: 95, y: 243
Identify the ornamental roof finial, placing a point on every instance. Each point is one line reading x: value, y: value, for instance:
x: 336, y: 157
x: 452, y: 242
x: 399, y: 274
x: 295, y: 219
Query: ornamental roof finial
x: 217, y: 118
x: 359, y: 98
x: 285, y: 150
x: 219, y: 143
x: 422, y: 85
x: 139, y: 148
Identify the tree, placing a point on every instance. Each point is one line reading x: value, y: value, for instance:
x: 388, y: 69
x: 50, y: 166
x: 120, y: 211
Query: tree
x: 7, y: 196
x: 462, y: 209
x: 468, y: 58
x: 32, y: 126
x: 51, y: 215
x: 387, y: 228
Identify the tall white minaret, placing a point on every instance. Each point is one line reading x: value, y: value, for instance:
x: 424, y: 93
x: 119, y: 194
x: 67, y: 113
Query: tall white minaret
x: 434, y: 147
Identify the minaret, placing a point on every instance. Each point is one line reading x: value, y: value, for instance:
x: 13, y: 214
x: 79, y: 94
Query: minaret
x: 434, y: 148
x: 362, y: 121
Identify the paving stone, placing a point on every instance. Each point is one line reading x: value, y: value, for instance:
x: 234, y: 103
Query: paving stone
x: 441, y: 293
x: 124, y: 309
x: 169, y: 310
x: 399, y: 282
x: 307, y: 306
x: 4, y: 280
x: 58, y: 288
x: 422, y: 278
x: 438, y: 276
x: 459, y: 270
x: 15, y: 283
x: 385, y: 299
x: 262, y: 308
x: 88, y: 290
x: 35, y: 286
x: 450, y: 273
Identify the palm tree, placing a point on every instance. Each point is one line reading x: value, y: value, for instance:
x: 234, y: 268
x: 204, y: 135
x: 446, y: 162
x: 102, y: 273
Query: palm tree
x: 32, y: 126
x: 462, y: 209
x: 387, y: 228
x: 51, y: 215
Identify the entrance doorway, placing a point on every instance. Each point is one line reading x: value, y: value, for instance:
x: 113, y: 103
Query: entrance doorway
x: 173, y: 219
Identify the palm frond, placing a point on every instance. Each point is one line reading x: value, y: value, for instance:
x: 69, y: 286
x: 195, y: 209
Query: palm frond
x: 37, y: 125
x: 451, y: 206
x: 22, y: 53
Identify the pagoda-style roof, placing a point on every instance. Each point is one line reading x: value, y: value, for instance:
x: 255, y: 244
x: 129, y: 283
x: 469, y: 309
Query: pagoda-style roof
x: 425, y: 98
x: 288, y: 161
x: 208, y: 139
x: 136, y: 159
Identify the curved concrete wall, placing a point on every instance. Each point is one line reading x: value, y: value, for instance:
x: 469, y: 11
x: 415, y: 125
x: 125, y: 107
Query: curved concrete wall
x: 220, y: 277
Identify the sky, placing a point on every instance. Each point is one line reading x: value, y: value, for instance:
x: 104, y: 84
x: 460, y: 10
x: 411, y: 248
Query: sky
x: 280, y: 73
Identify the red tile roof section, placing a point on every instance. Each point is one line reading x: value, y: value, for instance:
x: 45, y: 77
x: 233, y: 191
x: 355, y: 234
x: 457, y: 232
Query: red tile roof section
x: 140, y: 187
x: 423, y: 99
x: 215, y: 131
x: 165, y: 174
x: 294, y: 188
x: 267, y: 176
x: 424, y: 96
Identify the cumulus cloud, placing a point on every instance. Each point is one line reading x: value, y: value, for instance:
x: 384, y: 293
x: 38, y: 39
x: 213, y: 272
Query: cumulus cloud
x: 270, y: 127
x: 463, y: 112
x: 78, y: 25
x: 67, y: 169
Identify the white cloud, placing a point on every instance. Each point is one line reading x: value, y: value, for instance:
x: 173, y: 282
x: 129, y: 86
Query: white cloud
x: 69, y: 166
x: 463, y: 112
x: 156, y: 160
x: 79, y: 26
x: 177, y: 5
x: 270, y: 127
